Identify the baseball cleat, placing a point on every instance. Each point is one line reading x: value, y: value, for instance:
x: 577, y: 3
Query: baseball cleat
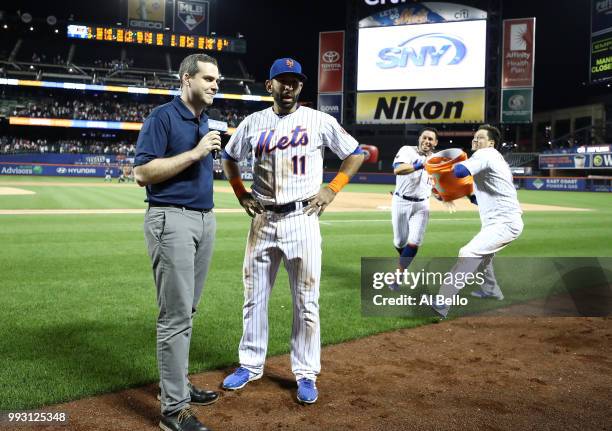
x: 484, y: 295
x: 307, y: 391
x: 440, y: 310
x: 394, y: 287
x: 239, y: 378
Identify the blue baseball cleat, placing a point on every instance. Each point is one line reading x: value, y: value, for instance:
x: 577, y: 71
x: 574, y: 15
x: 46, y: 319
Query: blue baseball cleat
x: 485, y: 295
x: 394, y: 287
x: 307, y: 391
x: 239, y: 378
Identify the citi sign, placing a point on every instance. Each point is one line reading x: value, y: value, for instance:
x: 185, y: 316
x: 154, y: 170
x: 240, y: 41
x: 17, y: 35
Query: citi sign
x: 432, y: 49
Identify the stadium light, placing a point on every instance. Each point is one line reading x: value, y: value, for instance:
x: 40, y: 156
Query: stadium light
x: 5, y: 26
x: 56, y: 30
x: 31, y: 28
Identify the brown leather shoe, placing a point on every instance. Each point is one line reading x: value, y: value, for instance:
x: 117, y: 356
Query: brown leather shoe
x: 183, y: 420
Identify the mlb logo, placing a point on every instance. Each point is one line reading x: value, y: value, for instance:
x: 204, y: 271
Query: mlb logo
x: 289, y: 63
x: 191, y: 14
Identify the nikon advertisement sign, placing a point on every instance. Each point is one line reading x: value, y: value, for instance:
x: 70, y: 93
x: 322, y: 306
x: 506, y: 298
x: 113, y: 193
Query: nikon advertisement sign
x: 433, y: 106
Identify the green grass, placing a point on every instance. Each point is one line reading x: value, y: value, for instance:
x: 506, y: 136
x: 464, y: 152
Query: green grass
x: 78, y: 300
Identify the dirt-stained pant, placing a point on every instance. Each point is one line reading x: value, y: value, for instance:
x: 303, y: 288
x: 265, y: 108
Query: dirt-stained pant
x: 478, y: 254
x: 180, y: 244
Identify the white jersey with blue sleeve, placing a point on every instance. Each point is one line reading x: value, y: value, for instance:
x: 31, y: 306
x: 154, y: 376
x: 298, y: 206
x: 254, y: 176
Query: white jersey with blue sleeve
x: 493, y: 187
x: 287, y: 170
x: 416, y: 184
x: 288, y: 152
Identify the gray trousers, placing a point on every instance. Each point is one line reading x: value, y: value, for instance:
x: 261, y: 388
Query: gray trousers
x: 180, y: 244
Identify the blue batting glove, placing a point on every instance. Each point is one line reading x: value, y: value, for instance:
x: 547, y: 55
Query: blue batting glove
x: 417, y: 165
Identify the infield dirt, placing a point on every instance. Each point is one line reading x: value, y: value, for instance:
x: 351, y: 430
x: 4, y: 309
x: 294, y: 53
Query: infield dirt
x: 484, y: 373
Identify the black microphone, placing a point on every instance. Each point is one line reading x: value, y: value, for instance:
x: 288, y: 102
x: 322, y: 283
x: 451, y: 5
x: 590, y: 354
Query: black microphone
x: 215, y: 122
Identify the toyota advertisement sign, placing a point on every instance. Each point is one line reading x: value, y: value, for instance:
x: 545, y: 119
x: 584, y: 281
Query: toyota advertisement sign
x: 427, y: 56
x: 331, y: 61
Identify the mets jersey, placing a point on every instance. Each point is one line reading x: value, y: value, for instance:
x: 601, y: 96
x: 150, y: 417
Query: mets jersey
x: 416, y: 184
x: 288, y: 152
x: 493, y: 186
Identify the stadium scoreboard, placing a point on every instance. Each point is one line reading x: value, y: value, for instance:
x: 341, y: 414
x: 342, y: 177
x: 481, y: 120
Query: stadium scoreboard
x: 155, y: 38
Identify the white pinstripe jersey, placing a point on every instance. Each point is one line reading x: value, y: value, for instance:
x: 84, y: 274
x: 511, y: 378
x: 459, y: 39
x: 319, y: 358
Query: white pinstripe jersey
x: 288, y: 151
x: 416, y: 184
x: 493, y: 187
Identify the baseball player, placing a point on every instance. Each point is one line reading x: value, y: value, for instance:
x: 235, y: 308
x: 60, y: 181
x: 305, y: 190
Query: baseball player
x: 287, y: 142
x: 108, y: 174
x: 500, y: 213
x: 410, y: 203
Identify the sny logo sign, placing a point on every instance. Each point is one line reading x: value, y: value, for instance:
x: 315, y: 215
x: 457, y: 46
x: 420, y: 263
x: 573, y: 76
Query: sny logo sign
x: 432, y: 46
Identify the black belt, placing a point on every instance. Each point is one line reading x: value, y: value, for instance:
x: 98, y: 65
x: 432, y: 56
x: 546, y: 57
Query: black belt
x: 410, y: 198
x: 286, y: 208
x: 182, y: 207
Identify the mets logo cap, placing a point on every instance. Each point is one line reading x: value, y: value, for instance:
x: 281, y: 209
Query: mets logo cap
x: 286, y: 65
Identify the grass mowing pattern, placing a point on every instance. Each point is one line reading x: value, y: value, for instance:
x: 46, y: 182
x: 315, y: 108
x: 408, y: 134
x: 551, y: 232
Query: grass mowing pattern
x: 79, y: 304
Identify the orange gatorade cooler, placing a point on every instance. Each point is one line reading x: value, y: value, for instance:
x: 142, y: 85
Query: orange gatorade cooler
x: 440, y: 167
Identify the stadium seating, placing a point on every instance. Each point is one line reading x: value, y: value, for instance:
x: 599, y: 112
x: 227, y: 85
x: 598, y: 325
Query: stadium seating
x: 19, y: 145
x: 520, y: 159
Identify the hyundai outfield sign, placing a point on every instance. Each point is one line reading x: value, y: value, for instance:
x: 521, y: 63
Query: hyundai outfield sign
x: 443, y: 55
x: 51, y: 170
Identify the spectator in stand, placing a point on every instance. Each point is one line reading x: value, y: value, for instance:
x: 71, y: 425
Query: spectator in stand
x: 13, y: 145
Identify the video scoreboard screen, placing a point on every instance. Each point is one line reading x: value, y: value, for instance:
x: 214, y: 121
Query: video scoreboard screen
x: 155, y: 38
x: 422, y: 56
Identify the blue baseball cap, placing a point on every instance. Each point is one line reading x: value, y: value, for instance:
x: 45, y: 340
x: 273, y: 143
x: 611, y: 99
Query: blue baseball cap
x: 286, y: 65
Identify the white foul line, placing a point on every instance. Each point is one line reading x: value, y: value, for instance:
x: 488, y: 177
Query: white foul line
x: 389, y: 220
